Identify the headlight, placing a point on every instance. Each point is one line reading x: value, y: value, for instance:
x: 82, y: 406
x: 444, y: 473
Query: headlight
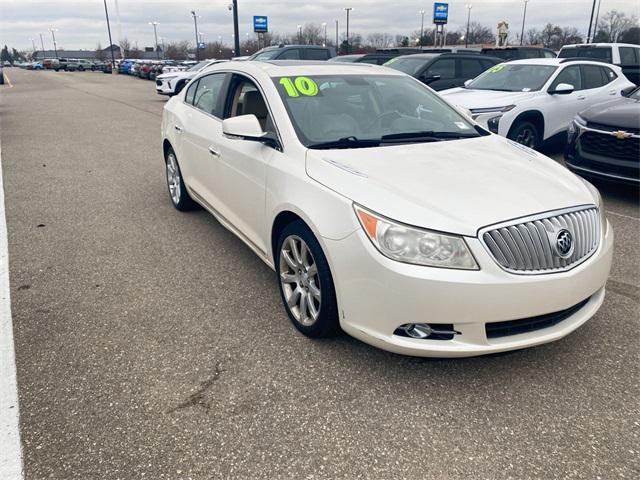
x: 478, y: 111
x: 413, y: 245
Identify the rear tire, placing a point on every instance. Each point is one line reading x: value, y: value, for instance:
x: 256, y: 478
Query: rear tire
x: 305, y: 282
x: 178, y: 193
x: 525, y: 133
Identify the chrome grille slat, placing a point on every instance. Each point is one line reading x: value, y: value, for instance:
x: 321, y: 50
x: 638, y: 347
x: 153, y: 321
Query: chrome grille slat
x: 527, y: 245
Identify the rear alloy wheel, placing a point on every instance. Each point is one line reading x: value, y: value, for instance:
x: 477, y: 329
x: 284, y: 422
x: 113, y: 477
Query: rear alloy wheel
x: 177, y: 190
x: 525, y: 133
x: 305, y: 282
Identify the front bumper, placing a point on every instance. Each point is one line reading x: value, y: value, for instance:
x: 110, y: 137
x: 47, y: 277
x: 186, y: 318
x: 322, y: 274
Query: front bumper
x: 164, y: 87
x: 376, y: 295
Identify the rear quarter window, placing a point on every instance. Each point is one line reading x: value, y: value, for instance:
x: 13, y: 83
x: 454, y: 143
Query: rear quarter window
x: 629, y: 55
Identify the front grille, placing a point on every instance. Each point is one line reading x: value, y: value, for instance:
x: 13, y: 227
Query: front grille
x: 530, y: 245
x: 515, y: 327
x: 610, y: 146
x: 610, y: 128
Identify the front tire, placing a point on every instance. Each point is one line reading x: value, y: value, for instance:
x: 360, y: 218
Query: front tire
x: 177, y: 190
x: 525, y: 133
x: 305, y: 282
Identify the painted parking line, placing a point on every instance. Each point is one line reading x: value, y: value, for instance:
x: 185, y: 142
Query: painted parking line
x: 6, y: 79
x: 10, y: 448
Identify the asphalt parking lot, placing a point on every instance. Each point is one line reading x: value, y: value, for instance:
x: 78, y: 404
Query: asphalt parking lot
x: 152, y: 343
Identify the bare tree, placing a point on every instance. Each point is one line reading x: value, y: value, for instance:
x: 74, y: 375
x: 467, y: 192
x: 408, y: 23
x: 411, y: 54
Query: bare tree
x: 379, y: 40
x: 569, y: 36
x: 613, y: 23
x: 478, y: 33
x: 533, y: 36
x: 125, y: 46
x: 177, y: 50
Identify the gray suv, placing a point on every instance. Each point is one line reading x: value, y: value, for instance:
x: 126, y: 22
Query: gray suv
x: 294, y: 52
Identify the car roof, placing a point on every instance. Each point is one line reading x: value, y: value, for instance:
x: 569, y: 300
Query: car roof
x: 281, y: 68
x: 556, y: 62
x: 587, y: 45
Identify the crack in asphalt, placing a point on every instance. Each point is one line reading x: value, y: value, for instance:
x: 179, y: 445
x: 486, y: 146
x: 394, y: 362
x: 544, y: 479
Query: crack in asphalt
x: 198, y: 398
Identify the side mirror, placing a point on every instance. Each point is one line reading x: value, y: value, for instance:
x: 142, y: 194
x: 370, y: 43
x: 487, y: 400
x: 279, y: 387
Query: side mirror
x: 468, y: 82
x: 563, y: 89
x: 628, y: 91
x: 430, y: 78
x: 246, y: 127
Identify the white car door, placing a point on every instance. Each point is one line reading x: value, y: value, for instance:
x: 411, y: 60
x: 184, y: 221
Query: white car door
x: 562, y: 108
x: 244, y: 164
x: 201, y: 131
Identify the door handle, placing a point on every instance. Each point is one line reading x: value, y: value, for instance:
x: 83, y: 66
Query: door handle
x: 581, y: 97
x: 177, y: 128
x: 613, y: 92
x: 214, y: 152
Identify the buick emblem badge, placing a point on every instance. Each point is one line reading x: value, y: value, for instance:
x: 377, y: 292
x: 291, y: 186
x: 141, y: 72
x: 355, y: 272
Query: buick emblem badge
x: 564, y: 243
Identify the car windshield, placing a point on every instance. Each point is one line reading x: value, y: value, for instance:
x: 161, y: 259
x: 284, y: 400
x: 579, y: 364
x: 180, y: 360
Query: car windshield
x: 198, y: 66
x: 266, y: 54
x: 600, y: 53
x: 513, y: 77
x: 351, y: 111
x: 407, y: 64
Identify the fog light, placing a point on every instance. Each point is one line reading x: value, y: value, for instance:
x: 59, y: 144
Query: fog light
x: 417, y: 330
x: 493, y: 123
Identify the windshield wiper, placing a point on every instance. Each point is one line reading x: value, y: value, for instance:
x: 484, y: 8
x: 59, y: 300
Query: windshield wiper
x: 346, y: 142
x: 425, y: 136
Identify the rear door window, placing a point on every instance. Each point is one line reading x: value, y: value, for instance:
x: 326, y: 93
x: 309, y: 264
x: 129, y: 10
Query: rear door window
x: 207, y: 93
x: 316, y: 54
x: 291, y: 54
x: 629, y: 56
x: 470, y: 68
x: 592, y: 77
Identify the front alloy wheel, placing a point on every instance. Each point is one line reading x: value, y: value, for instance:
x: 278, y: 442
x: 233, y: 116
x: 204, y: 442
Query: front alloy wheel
x: 299, y: 280
x: 177, y: 190
x: 305, y: 281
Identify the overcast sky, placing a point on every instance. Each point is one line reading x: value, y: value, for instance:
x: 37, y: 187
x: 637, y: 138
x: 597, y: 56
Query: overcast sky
x: 81, y: 23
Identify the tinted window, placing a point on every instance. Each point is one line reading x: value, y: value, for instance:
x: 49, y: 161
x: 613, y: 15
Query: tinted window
x: 629, y: 56
x: 206, y: 96
x: 470, y: 68
x: 407, y: 64
x: 601, y: 53
x: 529, y: 53
x: 592, y: 77
x: 291, y: 54
x: 548, y: 54
x: 570, y: 75
x: 191, y: 91
x: 446, y: 68
x: 316, y: 54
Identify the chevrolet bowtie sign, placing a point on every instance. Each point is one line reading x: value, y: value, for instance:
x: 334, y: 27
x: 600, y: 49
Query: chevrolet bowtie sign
x: 440, y: 13
x: 260, y: 24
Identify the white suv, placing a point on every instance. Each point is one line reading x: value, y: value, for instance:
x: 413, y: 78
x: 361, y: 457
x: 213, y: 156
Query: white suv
x: 531, y: 101
x: 172, y: 83
x: 625, y: 55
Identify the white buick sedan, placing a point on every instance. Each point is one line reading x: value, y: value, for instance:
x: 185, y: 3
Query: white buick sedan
x: 386, y: 211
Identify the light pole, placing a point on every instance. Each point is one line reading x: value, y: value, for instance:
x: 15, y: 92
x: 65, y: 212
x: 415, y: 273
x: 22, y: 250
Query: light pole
x: 42, y: 43
x: 195, y: 24
x: 155, y: 34
x: 299, y: 34
x: 421, y: 12
x: 524, y: 17
x: 595, y: 24
x: 593, y: 10
x: 336, y: 36
x: 324, y: 25
x: 348, y: 10
x: 33, y: 42
x: 236, y: 36
x: 466, y: 37
x: 55, y: 46
x: 113, y: 58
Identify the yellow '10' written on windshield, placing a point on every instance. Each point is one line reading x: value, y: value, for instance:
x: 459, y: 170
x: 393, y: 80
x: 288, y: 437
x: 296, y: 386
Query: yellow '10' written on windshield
x: 298, y: 86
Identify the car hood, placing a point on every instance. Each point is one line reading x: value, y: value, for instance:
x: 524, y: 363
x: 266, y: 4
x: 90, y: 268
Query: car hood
x: 177, y: 74
x: 622, y: 112
x: 469, y: 98
x: 454, y: 186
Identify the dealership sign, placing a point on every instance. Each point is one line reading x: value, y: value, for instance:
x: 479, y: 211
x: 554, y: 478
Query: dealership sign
x: 440, y: 13
x: 260, y: 24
